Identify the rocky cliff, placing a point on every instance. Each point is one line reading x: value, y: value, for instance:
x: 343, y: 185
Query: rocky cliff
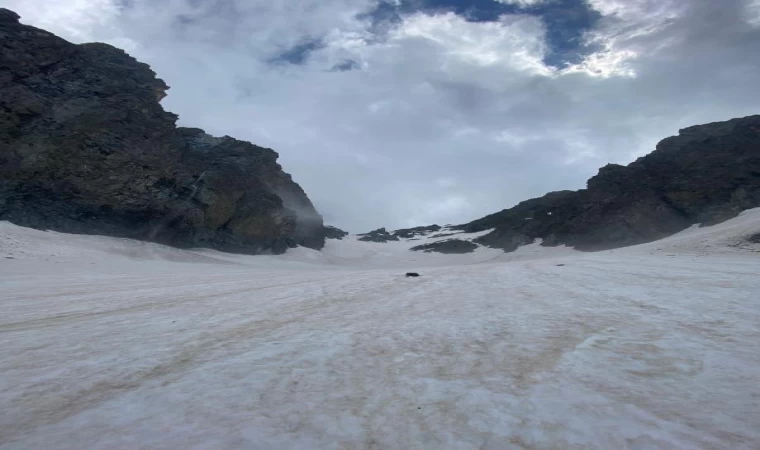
x: 85, y: 147
x: 707, y: 174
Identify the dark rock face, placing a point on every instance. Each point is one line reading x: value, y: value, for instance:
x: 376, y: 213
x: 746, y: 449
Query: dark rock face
x: 379, y: 235
x: 449, y: 246
x: 383, y: 235
x: 707, y: 174
x: 407, y: 233
x: 85, y: 147
x: 334, y: 233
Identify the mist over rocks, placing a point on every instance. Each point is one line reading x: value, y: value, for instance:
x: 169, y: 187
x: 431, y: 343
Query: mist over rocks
x: 85, y: 147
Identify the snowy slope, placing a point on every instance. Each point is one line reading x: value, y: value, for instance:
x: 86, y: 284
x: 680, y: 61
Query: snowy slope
x: 111, y: 344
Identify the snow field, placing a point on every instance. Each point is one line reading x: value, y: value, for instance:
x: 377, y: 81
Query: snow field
x: 111, y: 344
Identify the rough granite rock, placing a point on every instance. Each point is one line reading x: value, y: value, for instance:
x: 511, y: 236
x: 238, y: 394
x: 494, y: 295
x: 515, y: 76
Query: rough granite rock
x: 448, y: 246
x: 707, y: 174
x: 85, y: 147
x: 334, y: 233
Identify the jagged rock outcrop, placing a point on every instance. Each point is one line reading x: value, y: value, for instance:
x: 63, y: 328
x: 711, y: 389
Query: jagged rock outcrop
x: 408, y: 233
x: 85, y: 147
x: 707, y: 174
x: 379, y: 235
x: 448, y: 246
x: 383, y: 235
x: 334, y: 233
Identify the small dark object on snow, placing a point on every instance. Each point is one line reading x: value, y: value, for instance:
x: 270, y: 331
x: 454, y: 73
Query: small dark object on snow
x: 412, y: 274
x: 560, y: 265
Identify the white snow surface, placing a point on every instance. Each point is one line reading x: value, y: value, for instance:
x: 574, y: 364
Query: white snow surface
x: 116, y: 344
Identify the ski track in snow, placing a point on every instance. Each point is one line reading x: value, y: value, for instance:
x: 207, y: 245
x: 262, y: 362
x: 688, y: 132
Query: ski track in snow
x: 115, y: 344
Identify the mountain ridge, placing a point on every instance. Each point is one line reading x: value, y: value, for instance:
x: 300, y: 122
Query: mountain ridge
x: 85, y: 147
x: 705, y: 175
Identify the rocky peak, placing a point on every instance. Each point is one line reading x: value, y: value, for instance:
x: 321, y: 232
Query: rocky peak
x: 6, y: 15
x: 707, y: 174
x: 125, y: 69
x: 86, y: 147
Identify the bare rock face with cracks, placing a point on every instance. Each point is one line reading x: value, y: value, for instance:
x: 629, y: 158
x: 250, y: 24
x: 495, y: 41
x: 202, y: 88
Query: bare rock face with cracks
x: 85, y: 147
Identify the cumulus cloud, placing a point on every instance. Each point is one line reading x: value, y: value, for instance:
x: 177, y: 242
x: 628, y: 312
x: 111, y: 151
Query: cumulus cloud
x: 523, y: 3
x: 752, y: 11
x: 433, y: 117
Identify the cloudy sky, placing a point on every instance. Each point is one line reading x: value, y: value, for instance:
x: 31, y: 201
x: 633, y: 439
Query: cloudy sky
x: 408, y: 112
